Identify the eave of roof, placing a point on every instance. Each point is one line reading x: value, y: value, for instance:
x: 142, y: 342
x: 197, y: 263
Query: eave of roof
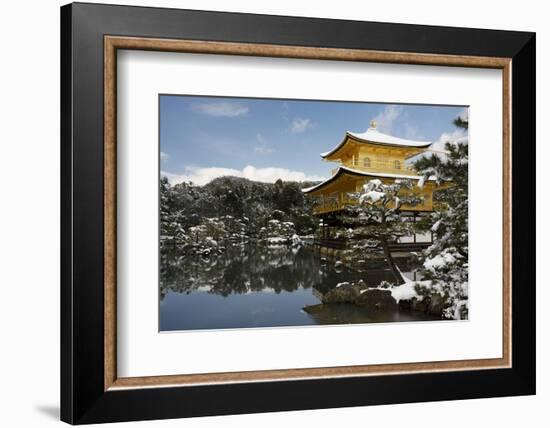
x: 373, y: 136
x: 346, y: 170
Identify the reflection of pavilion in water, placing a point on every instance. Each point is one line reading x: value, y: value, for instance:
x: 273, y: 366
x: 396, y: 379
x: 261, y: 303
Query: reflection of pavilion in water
x: 363, y: 157
x: 261, y: 286
x: 253, y: 269
x: 372, y: 271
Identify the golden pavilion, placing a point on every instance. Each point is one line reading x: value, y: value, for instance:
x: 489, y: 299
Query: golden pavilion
x: 366, y: 156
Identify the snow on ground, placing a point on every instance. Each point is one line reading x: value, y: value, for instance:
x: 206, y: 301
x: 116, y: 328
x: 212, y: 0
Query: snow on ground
x: 404, y: 291
x: 407, y: 290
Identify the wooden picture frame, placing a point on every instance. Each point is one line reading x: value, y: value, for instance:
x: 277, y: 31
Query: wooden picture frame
x: 91, y: 390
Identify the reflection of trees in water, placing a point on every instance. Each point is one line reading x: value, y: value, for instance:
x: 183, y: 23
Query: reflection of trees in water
x: 245, y: 269
x: 240, y: 270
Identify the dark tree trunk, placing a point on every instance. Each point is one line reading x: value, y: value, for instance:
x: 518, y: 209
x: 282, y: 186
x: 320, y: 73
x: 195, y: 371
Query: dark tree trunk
x: 391, y: 263
x: 387, y: 254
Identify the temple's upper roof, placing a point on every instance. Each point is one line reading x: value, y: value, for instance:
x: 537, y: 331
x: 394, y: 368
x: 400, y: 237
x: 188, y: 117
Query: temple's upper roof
x: 373, y: 136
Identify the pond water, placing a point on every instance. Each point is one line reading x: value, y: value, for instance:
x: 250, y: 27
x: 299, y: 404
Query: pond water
x: 259, y: 286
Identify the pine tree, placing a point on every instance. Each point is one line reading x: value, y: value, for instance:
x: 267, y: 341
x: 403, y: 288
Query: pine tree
x: 445, y: 263
x: 376, y: 217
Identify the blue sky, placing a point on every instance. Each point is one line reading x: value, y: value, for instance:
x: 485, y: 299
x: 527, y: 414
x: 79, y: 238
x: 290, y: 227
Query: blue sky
x: 265, y: 139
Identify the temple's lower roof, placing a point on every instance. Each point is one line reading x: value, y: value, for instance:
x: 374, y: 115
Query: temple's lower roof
x: 355, y: 172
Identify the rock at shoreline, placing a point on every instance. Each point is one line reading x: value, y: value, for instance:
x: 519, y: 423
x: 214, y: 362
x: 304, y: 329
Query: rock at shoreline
x: 420, y: 305
x: 404, y: 305
x: 433, y: 305
x: 360, y: 295
x: 313, y: 309
x: 436, y: 305
x: 376, y: 299
x: 344, y: 293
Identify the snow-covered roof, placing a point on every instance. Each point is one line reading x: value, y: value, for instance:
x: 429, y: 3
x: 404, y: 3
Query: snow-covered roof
x: 375, y: 136
x: 372, y: 135
x: 345, y: 169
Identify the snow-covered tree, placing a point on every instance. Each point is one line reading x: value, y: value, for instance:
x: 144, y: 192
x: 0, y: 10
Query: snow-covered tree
x: 172, y: 231
x: 279, y: 232
x: 376, y: 217
x: 231, y: 211
x: 445, y: 263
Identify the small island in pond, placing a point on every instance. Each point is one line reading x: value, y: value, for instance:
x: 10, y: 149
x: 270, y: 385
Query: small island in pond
x: 249, y: 240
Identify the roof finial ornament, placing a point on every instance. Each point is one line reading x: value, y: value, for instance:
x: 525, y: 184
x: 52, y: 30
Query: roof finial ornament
x: 373, y: 124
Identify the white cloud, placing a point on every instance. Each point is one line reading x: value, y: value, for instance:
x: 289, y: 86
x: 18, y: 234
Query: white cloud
x: 299, y: 125
x: 457, y: 136
x: 263, y: 147
x: 220, y: 109
x: 385, y: 119
x: 163, y: 157
x: 438, y: 146
x: 201, y: 176
x: 413, y: 133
